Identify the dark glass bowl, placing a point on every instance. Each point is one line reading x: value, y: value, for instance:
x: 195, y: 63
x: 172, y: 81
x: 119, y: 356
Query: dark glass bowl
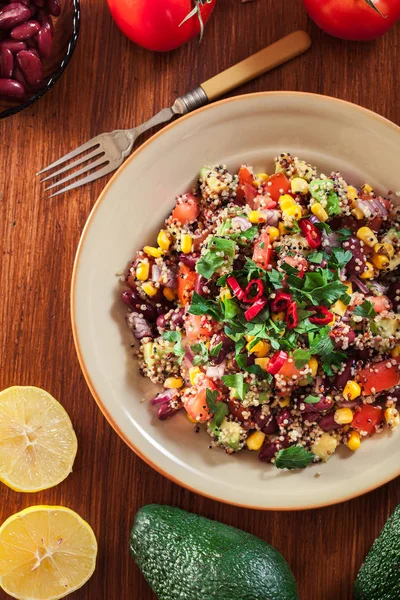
x: 66, y: 31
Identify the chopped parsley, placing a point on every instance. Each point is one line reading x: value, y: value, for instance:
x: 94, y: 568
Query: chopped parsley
x: 301, y: 358
x: 176, y: 338
x: 202, y: 306
x: 294, y: 457
x: 312, y: 399
x: 216, y: 350
x: 201, y: 354
x: 219, y: 409
x: 316, y: 258
x: 220, y: 253
x: 365, y: 310
x: 339, y: 258
x: 237, y: 383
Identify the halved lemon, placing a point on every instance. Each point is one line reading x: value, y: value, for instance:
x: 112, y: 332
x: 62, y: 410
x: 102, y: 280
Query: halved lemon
x: 37, y: 441
x: 46, y: 552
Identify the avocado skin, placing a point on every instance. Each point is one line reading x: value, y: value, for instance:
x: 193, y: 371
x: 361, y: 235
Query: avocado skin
x: 186, y: 557
x: 378, y: 578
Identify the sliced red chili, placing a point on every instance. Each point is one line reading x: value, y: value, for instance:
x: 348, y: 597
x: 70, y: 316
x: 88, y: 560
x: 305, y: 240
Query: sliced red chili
x: 276, y: 362
x: 311, y: 233
x: 292, y: 318
x: 281, y: 302
x: 255, y: 309
x: 260, y: 290
x: 325, y: 318
x: 235, y: 287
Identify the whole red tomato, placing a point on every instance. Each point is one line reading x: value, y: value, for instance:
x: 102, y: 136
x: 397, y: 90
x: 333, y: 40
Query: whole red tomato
x: 161, y: 25
x: 354, y: 19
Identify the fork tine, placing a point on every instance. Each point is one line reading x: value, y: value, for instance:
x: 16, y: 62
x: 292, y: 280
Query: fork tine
x: 88, y: 167
x: 96, y: 175
x: 74, y: 164
x: 88, y: 146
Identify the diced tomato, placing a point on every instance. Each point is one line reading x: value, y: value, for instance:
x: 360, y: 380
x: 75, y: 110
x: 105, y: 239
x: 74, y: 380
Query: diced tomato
x: 199, y: 239
x: 380, y: 303
x: 367, y: 418
x: 277, y: 185
x: 197, y: 326
x: 186, y: 283
x: 246, y: 177
x: 250, y: 196
x: 379, y: 377
x: 298, y: 263
x: 289, y: 369
x: 263, y: 249
x: 186, y: 209
x: 195, y: 400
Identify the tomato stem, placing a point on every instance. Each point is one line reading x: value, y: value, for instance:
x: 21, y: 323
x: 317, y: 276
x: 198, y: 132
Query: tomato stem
x: 196, y: 11
x: 372, y: 5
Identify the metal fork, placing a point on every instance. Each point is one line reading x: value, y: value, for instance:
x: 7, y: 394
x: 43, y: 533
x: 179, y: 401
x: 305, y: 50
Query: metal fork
x: 107, y: 151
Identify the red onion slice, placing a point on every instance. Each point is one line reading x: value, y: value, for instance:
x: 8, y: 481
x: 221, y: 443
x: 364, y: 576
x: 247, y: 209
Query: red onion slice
x: 163, y: 397
x: 242, y: 222
x: 216, y: 371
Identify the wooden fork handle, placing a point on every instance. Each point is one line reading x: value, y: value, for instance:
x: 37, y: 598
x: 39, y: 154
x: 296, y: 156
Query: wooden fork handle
x: 272, y: 56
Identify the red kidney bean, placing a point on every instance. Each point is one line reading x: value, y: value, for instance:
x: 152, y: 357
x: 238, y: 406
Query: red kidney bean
x: 342, y: 378
x: 322, y: 406
x: 30, y: 66
x: 137, y: 304
x: 25, y: 31
x: 267, y: 425
x: 166, y: 411
x: 13, y: 14
x: 342, y: 336
x: 357, y: 263
x: 160, y: 322
x: 241, y: 413
x: 284, y: 418
x: 39, y: 3
x: 227, y: 346
x: 19, y: 77
x: 11, y: 89
x: 54, y: 7
x: 189, y: 260
x: 44, y: 19
x: 312, y: 417
x: 13, y: 45
x: 177, y: 317
x: 268, y: 451
x: 24, y: 2
x: 328, y: 423
x: 45, y: 40
x: 393, y: 294
x: 200, y: 285
x: 6, y: 63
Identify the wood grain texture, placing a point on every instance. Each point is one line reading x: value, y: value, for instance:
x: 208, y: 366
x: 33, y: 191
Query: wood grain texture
x: 112, y: 83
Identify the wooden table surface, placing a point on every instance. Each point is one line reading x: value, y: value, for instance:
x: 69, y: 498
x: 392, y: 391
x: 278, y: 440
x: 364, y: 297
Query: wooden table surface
x: 112, y: 83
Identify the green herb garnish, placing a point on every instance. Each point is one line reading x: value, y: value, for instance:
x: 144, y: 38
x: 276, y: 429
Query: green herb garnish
x: 312, y: 399
x: 301, y: 358
x: 201, y: 354
x: 295, y: 457
x: 176, y: 338
x: 219, y: 253
x: 237, y: 383
x: 219, y: 409
x: 365, y: 310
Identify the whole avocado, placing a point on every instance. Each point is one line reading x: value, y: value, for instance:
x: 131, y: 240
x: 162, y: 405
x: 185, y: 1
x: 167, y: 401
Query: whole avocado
x: 186, y: 557
x: 378, y: 578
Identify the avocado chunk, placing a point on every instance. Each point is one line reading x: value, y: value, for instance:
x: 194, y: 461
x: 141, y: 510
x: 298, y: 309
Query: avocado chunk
x: 230, y: 433
x: 378, y: 578
x: 187, y: 557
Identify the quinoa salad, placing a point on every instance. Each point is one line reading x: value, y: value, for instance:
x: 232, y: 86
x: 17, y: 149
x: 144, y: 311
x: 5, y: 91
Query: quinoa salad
x: 269, y: 312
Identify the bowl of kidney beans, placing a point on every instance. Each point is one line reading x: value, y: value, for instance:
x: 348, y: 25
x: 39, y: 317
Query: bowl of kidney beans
x: 37, y: 40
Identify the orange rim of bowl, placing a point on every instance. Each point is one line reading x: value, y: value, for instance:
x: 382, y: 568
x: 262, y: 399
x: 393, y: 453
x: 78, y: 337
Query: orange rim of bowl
x: 82, y: 363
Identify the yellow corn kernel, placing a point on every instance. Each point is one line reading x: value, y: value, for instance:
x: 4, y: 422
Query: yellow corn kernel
x: 367, y: 189
x: 369, y: 272
x: 358, y: 214
x: 151, y: 251
x: 169, y: 294
x: 262, y: 362
x: 354, y: 441
x: 164, y: 239
x: 299, y: 185
x: 143, y: 270
x: 366, y: 235
x: 284, y: 402
x: 260, y: 178
x: 273, y: 234
x: 149, y: 289
x: 186, y: 243
x: 283, y: 230
x: 189, y: 418
x: 395, y: 352
x: 385, y: 249
x: 339, y: 308
x: 225, y: 293
x: 346, y: 428
x: 392, y: 417
x: 263, y: 351
x: 380, y: 261
x: 331, y: 323
x: 193, y: 372
x: 255, y: 440
x: 249, y: 338
x: 318, y: 210
x: 313, y: 364
x: 286, y: 201
x: 351, y: 390
x: 292, y: 211
x: 343, y: 416
x: 255, y: 216
x: 351, y: 193
x: 280, y: 316
x: 173, y: 383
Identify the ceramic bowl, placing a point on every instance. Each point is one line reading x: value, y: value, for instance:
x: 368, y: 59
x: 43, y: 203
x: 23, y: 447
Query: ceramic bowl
x: 252, y: 129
